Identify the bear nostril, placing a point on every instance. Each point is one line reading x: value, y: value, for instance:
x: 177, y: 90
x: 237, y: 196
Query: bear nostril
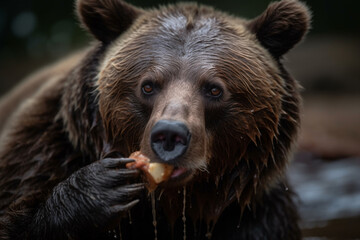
x: 179, y: 139
x: 169, y: 139
x: 159, y: 138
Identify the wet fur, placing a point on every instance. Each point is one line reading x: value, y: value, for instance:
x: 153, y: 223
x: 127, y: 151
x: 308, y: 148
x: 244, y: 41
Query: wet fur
x: 72, y: 122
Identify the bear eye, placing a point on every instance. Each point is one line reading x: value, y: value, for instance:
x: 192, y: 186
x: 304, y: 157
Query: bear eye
x: 148, y: 88
x: 215, y: 92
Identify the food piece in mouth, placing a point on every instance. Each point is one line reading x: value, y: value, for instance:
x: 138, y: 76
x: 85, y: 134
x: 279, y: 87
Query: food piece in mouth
x: 155, y: 172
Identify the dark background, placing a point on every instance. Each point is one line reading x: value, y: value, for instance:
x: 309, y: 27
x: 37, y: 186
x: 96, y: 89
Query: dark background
x: 35, y: 32
x: 325, y: 172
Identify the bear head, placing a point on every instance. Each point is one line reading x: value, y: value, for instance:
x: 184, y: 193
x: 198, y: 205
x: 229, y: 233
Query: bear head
x: 201, y: 90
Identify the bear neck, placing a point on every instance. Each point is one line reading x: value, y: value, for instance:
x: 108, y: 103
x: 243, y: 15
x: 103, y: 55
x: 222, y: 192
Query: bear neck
x: 79, y: 111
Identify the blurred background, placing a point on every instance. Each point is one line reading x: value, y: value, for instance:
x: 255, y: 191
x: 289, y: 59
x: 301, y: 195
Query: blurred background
x: 326, y: 167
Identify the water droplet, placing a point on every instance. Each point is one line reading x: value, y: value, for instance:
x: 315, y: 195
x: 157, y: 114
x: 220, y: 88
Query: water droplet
x: 209, y: 230
x: 161, y: 193
x: 154, y: 214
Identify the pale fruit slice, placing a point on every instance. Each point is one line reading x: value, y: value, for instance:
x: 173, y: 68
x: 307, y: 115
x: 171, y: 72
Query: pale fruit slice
x: 160, y: 172
x: 154, y: 172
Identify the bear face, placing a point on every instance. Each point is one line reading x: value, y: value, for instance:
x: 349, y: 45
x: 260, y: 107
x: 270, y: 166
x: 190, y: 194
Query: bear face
x: 218, y: 75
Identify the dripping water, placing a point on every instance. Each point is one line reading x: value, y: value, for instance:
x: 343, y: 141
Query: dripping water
x: 286, y: 187
x: 208, y: 233
x: 183, y: 213
x: 210, y: 228
x: 161, y: 193
x: 154, y: 213
x: 113, y: 234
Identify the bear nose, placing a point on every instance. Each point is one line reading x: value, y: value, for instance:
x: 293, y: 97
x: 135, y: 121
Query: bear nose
x: 169, y: 139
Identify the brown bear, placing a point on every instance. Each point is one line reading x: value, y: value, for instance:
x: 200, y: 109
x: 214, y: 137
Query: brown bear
x: 187, y: 85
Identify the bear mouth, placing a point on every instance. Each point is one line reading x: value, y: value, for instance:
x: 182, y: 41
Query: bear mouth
x: 179, y: 176
x: 178, y: 172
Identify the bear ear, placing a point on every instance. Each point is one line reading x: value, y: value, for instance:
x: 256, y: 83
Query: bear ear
x: 281, y: 26
x: 106, y: 19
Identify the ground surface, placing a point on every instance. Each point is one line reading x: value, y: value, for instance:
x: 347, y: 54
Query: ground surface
x: 325, y: 172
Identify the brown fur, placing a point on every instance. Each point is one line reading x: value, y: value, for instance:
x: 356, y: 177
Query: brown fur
x: 240, y: 142
x: 106, y: 19
x: 282, y: 26
x: 11, y: 101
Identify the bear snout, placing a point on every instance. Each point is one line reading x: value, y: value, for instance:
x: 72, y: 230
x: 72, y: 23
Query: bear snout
x: 169, y: 140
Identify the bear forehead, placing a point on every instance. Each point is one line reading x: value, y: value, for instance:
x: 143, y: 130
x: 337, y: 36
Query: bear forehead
x: 190, y: 35
x: 184, y: 30
x: 192, y: 39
